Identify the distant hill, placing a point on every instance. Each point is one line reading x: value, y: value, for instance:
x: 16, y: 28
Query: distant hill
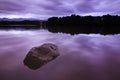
x: 19, y: 19
x: 22, y: 23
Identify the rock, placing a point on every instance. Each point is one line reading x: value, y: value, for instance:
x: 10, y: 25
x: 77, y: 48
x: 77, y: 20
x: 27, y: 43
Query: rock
x: 39, y: 56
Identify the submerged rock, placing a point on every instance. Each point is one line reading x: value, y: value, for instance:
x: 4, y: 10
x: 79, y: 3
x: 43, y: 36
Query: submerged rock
x: 39, y: 56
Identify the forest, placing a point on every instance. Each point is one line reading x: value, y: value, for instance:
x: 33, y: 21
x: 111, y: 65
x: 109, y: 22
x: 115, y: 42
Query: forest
x: 25, y: 24
x: 74, y: 24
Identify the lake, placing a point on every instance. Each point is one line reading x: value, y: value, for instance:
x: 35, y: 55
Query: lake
x: 82, y: 56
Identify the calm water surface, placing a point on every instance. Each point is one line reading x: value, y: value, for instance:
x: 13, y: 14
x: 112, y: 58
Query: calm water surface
x: 82, y: 56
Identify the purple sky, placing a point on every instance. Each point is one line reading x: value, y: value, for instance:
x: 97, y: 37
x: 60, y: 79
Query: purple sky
x: 46, y: 8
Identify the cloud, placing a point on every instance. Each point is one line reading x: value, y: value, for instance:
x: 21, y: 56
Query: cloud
x: 85, y: 6
x: 108, y: 6
x: 47, y: 8
x: 7, y: 6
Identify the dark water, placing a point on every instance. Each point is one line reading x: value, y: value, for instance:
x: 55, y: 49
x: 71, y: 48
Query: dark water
x: 82, y: 57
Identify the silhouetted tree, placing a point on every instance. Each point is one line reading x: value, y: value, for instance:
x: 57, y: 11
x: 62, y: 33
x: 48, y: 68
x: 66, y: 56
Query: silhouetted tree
x: 106, y: 24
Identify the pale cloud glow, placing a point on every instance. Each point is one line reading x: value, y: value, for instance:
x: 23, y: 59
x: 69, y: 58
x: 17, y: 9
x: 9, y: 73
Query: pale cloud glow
x: 47, y: 8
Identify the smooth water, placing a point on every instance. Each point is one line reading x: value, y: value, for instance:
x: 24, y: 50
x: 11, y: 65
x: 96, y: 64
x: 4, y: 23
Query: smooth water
x: 82, y: 56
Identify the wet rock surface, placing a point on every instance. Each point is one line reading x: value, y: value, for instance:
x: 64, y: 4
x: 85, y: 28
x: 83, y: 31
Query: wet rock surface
x: 39, y: 56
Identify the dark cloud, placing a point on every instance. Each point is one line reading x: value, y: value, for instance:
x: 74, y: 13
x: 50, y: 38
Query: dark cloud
x: 7, y: 6
x: 55, y: 8
x: 85, y: 6
x: 44, y: 8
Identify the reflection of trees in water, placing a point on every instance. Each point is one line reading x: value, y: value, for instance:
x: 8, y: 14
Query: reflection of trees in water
x: 82, y: 57
x: 73, y: 24
x: 26, y: 24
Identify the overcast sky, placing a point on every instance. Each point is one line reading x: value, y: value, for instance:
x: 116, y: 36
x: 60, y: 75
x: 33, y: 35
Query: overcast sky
x: 44, y: 9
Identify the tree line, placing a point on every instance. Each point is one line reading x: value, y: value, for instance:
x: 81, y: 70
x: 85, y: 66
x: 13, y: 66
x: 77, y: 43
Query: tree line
x: 74, y: 24
x: 25, y: 24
